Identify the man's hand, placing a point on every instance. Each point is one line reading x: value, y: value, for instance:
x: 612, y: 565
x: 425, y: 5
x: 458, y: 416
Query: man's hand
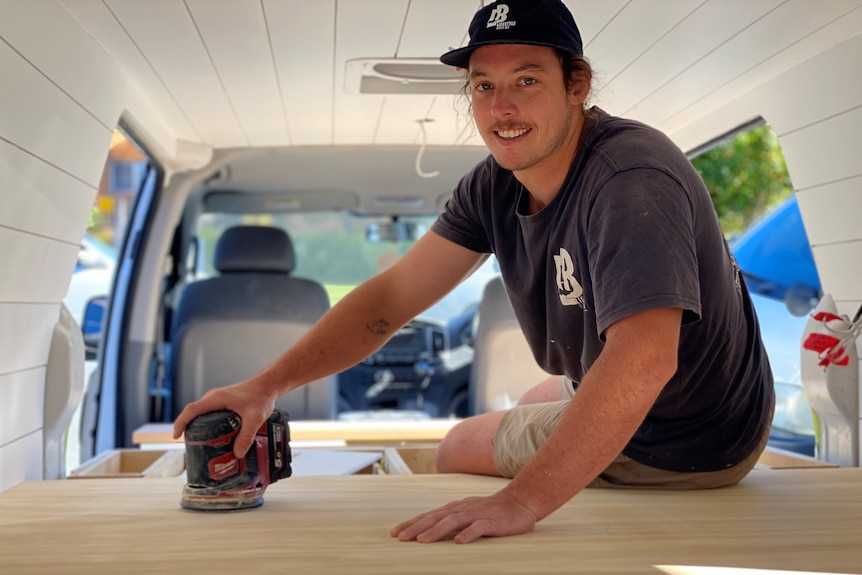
x: 497, y: 515
x: 250, y: 399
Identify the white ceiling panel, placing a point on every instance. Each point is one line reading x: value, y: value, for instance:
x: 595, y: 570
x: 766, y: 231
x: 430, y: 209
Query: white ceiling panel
x: 234, y: 73
x: 452, y: 123
x: 367, y: 29
x: 433, y: 27
x: 303, y: 42
x: 779, y: 29
x: 235, y: 35
x: 166, y: 33
x: 399, y: 119
x: 700, y: 33
x: 106, y: 29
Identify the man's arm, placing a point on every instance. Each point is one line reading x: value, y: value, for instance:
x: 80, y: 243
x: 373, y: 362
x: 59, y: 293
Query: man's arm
x: 639, y: 358
x: 348, y: 333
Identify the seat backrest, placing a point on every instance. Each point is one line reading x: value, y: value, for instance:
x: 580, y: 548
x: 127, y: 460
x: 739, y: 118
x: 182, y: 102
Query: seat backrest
x: 503, y: 367
x: 229, y: 327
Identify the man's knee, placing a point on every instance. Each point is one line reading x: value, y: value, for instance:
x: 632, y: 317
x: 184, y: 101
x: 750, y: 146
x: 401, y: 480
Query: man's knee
x: 445, y: 459
x: 469, y: 446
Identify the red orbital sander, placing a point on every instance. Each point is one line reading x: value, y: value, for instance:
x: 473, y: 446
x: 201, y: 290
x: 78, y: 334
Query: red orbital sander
x: 218, y: 481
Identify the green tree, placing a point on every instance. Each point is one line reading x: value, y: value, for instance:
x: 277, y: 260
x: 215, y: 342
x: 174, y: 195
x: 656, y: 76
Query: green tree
x: 746, y: 176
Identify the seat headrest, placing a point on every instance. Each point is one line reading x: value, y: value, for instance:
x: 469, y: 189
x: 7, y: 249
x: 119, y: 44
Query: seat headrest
x: 254, y: 249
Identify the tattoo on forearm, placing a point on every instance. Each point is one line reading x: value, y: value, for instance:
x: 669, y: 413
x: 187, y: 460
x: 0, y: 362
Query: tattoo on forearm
x: 377, y: 327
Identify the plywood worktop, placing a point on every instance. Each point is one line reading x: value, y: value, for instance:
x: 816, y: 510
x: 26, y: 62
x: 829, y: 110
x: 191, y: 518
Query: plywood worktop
x: 800, y: 520
x: 371, y: 431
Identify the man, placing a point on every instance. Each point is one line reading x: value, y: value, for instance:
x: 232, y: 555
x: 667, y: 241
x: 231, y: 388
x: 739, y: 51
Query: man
x: 619, y: 275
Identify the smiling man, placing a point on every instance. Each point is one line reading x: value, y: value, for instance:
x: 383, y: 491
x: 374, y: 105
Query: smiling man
x: 619, y: 275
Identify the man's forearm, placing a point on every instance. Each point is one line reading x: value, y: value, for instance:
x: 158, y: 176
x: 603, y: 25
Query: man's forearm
x: 609, y: 406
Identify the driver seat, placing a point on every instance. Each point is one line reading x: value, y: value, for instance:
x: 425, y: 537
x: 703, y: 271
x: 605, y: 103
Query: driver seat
x: 228, y: 328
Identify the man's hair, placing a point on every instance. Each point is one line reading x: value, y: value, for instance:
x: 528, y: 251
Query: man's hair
x: 576, y: 68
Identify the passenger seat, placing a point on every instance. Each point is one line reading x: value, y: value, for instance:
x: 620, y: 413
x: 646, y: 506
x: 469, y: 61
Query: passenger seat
x: 230, y: 327
x: 503, y: 366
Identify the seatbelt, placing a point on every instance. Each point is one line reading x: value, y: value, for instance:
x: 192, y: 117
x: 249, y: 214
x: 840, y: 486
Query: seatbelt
x: 159, y: 411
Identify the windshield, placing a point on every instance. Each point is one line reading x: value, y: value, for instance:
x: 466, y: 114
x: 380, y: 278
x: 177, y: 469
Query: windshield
x: 341, y: 250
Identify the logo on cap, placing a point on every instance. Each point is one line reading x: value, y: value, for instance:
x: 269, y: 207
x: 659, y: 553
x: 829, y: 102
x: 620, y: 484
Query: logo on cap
x: 498, y: 18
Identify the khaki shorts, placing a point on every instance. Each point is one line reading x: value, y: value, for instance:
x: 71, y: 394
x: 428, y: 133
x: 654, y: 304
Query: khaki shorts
x: 525, y: 428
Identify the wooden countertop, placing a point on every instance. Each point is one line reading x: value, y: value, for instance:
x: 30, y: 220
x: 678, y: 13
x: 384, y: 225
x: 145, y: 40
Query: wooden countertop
x: 378, y: 432
x: 798, y: 520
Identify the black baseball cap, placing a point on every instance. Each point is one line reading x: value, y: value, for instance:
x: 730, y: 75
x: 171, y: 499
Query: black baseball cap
x: 536, y: 22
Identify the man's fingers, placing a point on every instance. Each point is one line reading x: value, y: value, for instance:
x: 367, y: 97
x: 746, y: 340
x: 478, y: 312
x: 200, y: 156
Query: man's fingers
x: 190, y: 412
x: 474, y: 531
x: 244, y: 439
x: 434, y: 526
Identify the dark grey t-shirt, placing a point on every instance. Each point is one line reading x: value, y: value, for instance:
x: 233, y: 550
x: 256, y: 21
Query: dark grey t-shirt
x: 632, y: 229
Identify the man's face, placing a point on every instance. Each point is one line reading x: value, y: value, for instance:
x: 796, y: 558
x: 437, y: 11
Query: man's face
x: 520, y: 104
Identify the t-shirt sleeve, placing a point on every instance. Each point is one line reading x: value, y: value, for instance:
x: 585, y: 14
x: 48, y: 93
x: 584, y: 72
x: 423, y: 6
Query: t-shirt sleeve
x: 463, y: 219
x: 642, y: 249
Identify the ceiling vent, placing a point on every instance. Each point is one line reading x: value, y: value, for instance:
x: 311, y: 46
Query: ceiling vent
x: 401, y: 76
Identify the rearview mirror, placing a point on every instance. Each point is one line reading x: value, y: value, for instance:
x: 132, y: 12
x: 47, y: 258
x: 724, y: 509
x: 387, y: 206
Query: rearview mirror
x: 393, y: 231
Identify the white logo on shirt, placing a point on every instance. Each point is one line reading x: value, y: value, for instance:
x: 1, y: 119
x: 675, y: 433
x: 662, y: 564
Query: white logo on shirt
x: 499, y: 17
x: 571, y: 292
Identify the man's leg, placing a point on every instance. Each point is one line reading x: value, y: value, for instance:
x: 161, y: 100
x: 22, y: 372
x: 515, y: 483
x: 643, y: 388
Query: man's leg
x: 469, y: 446
x: 554, y: 388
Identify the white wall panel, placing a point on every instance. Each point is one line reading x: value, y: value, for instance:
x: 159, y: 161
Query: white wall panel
x: 49, y: 38
x: 825, y: 152
x: 642, y: 24
x: 21, y: 460
x: 777, y: 42
x: 26, y: 330
x: 22, y: 396
x: 785, y: 101
x: 38, y: 117
x: 591, y: 16
x: 40, y: 267
x: 795, y: 104
x: 842, y: 223
x: 41, y: 199
x: 700, y: 33
x: 838, y: 266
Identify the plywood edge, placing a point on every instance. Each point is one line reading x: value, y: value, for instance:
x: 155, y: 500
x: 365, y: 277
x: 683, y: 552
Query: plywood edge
x: 775, y: 458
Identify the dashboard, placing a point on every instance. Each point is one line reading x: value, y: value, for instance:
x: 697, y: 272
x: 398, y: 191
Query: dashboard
x: 424, y: 367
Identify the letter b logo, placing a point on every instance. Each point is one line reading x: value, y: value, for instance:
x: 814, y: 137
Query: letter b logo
x: 498, y: 15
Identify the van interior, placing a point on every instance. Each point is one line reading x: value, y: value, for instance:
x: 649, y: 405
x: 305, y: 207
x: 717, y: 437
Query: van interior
x: 285, y: 151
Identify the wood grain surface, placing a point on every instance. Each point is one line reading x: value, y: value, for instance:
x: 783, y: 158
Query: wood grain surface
x: 377, y: 432
x: 799, y: 520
